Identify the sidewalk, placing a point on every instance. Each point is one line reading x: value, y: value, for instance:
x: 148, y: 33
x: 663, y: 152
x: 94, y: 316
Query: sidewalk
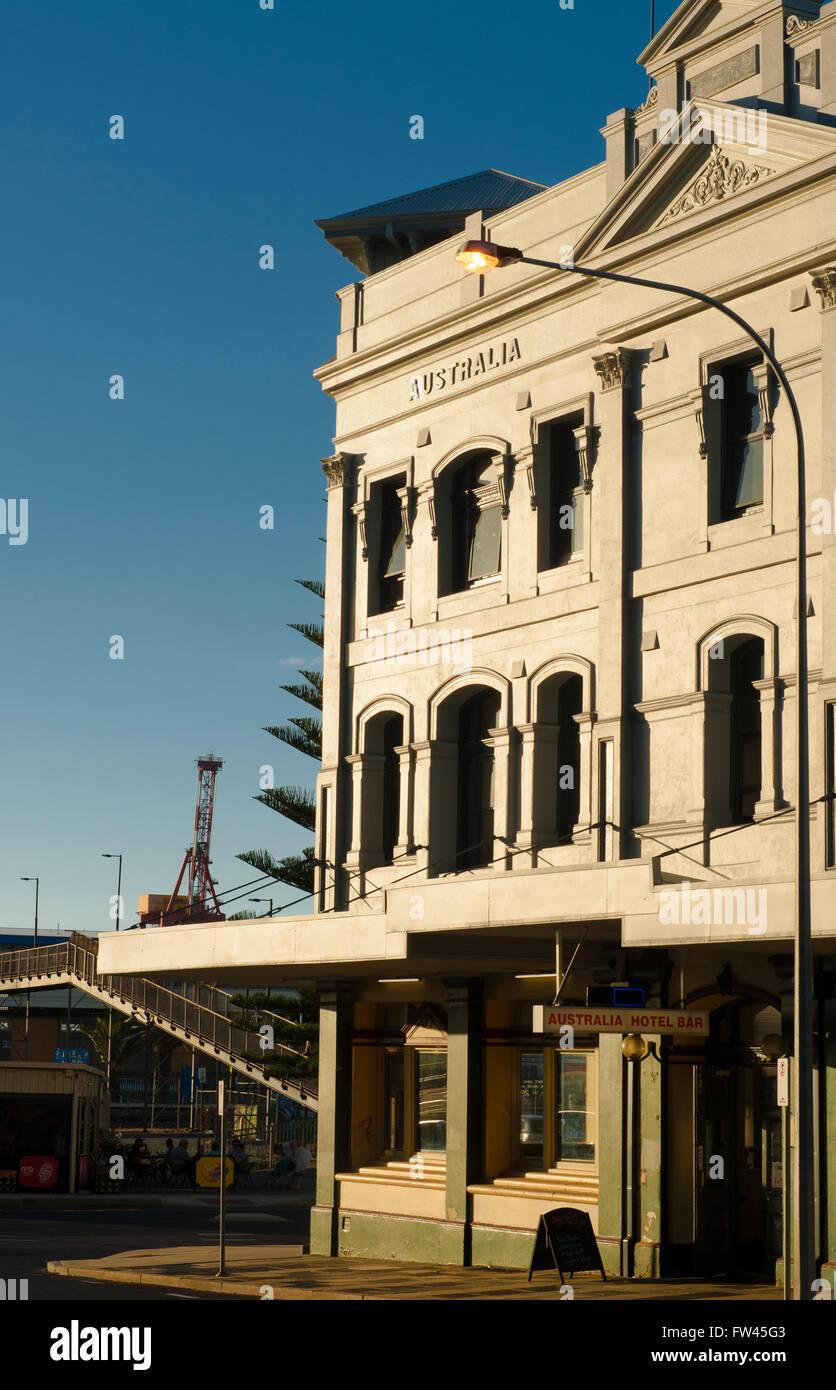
x: 284, y: 1273
x: 130, y: 1201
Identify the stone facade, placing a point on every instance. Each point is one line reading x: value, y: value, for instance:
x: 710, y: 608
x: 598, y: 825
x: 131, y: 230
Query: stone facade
x: 653, y: 656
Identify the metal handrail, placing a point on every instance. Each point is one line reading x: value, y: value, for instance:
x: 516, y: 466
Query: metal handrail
x: 77, y: 957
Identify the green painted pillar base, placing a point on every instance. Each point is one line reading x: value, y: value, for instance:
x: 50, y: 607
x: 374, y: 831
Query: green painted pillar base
x: 647, y: 1260
x: 324, y: 1230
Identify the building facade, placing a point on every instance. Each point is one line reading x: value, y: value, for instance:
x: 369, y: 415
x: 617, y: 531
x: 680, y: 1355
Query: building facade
x: 559, y: 687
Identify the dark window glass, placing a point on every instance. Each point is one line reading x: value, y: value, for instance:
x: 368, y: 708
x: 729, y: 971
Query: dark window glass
x: 394, y: 1090
x: 746, y: 667
x: 475, y: 780
x: 568, y: 757
x: 531, y: 1108
x: 830, y: 732
x: 392, y: 547
x: 477, y: 523
x: 742, y: 480
x: 392, y: 739
x: 574, y: 1120
x: 431, y: 1101
x: 566, y: 490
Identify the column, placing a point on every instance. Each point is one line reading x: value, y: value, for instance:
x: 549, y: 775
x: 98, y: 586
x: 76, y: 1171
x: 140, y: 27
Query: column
x: 771, y: 799
x: 610, y: 563
x: 610, y: 1149
x: 340, y: 472
x: 500, y: 741
x: 334, y: 1121
x: 585, y: 722
x: 523, y: 526
x: 525, y: 829
x: 650, y: 1194
x: 405, y: 844
x: 464, y: 1106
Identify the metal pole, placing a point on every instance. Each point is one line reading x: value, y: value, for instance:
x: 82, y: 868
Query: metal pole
x: 785, y: 1206
x: 119, y: 894
x: 222, y: 1194
x: 629, y: 1143
x: 803, y: 1185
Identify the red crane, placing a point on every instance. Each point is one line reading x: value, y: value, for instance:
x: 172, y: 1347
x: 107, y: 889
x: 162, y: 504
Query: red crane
x: 201, y: 891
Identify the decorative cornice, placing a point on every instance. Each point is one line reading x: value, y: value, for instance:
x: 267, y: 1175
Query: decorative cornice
x: 338, y: 469
x: 613, y: 368
x: 824, y: 283
x: 720, y: 178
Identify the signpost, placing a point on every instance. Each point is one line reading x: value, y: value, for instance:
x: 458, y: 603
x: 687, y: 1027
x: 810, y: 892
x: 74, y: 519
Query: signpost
x: 565, y: 1240
x: 222, y: 1184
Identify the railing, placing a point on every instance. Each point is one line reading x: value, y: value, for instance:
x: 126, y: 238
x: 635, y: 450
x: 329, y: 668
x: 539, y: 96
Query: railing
x: 77, y: 957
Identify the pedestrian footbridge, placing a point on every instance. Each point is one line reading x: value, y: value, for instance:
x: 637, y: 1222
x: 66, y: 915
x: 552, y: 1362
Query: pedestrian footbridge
x: 200, y: 1015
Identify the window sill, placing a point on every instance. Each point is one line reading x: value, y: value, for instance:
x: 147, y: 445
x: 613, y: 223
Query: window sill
x: 488, y: 594
x: 740, y: 529
x: 567, y: 576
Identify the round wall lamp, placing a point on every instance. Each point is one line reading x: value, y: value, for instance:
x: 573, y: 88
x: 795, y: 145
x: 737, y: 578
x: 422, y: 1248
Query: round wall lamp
x: 634, y: 1047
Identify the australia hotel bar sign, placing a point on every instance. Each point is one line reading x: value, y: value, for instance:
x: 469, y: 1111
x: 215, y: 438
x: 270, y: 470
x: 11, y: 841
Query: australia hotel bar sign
x: 464, y: 369
x: 591, y: 1020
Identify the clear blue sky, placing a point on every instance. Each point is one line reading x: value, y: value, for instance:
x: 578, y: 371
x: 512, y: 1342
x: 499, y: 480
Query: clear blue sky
x: 140, y: 257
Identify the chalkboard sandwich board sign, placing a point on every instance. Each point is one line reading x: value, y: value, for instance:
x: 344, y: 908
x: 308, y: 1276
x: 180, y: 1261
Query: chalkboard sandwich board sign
x: 565, y: 1240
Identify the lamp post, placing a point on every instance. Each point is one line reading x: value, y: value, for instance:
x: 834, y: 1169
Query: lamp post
x: 482, y: 256
x: 25, y: 878
x: 264, y: 900
x: 118, y: 887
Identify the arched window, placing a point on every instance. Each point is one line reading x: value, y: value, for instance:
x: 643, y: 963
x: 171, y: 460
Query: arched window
x: 477, y: 522
x: 474, y: 837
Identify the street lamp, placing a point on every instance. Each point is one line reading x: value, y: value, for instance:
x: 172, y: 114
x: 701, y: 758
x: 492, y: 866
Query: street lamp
x: 118, y: 887
x: 264, y: 900
x: 482, y: 256
x: 25, y: 878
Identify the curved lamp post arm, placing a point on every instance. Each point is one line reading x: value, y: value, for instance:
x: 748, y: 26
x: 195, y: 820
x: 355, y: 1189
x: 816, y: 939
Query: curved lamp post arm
x: 803, y: 1166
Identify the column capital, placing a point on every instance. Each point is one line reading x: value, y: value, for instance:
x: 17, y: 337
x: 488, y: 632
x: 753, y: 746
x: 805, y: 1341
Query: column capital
x: 613, y: 368
x: 339, y: 469
x: 824, y: 283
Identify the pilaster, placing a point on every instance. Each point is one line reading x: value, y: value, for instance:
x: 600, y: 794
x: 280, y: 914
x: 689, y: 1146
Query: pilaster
x: 334, y: 1119
x: 465, y: 1009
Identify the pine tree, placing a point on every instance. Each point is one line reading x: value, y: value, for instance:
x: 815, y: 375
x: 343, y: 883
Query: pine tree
x: 304, y: 733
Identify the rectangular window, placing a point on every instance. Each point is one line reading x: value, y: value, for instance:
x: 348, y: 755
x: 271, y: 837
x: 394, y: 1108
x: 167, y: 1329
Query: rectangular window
x: 605, y: 799
x: 531, y: 1108
x: 485, y: 543
x: 430, y: 1100
x: 566, y: 495
x: 575, y: 1117
x: 742, y: 435
x: 392, y: 548
x: 394, y: 1138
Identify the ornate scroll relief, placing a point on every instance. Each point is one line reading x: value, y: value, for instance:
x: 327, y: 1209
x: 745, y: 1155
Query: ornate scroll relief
x: 613, y: 368
x: 795, y: 25
x: 406, y: 497
x: 652, y: 99
x: 824, y: 283
x: 722, y: 177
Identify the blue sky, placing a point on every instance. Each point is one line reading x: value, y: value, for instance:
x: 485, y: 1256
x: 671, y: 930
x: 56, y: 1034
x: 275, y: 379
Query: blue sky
x: 140, y: 257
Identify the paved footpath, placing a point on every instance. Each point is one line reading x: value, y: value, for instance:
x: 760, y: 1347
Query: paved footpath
x: 286, y: 1274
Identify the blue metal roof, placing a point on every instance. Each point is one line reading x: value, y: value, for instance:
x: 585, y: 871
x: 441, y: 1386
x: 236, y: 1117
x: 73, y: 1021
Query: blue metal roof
x: 490, y: 189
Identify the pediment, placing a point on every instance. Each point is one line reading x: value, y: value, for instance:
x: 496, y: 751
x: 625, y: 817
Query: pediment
x: 705, y: 20
x: 727, y: 155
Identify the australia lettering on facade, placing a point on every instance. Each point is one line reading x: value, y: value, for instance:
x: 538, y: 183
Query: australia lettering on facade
x: 464, y: 369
